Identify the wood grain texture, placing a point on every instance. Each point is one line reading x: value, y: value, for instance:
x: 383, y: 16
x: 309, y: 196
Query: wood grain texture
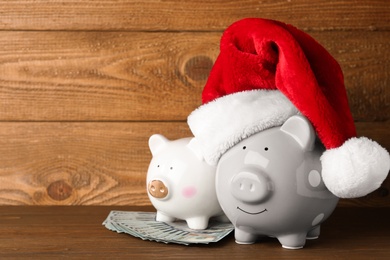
x: 103, y: 76
x: 83, y: 84
x: 100, y: 163
x: 77, y: 233
x: 77, y: 163
x: 197, y: 15
x: 121, y: 76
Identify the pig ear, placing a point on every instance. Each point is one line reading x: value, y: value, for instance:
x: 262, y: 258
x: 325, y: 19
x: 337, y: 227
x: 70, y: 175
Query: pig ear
x: 301, y: 130
x: 196, y: 148
x: 156, y: 142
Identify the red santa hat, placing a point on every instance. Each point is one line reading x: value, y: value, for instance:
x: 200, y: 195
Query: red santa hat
x: 268, y: 71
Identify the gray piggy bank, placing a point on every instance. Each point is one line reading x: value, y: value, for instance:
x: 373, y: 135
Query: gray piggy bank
x: 270, y: 184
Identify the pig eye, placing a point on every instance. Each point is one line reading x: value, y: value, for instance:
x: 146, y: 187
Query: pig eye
x: 171, y: 168
x: 158, y: 166
x: 266, y: 149
x: 244, y: 147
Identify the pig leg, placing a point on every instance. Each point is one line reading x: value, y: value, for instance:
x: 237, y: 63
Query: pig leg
x: 314, y: 233
x: 244, y: 237
x: 293, y: 241
x: 163, y: 218
x: 198, y: 222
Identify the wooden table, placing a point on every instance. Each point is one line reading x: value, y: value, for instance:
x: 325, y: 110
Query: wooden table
x: 77, y: 232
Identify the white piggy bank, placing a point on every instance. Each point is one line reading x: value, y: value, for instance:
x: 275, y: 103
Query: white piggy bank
x: 180, y: 184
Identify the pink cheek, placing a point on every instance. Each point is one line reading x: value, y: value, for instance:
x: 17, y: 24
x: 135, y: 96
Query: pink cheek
x: 189, y: 192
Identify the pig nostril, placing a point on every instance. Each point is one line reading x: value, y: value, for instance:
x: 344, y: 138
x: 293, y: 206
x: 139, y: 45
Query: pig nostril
x: 162, y: 190
x: 153, y: 188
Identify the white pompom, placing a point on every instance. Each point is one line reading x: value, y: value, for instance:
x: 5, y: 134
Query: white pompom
x: 356, y: 168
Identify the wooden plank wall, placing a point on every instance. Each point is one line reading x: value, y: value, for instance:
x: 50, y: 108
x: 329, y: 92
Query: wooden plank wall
x: 83, y: 84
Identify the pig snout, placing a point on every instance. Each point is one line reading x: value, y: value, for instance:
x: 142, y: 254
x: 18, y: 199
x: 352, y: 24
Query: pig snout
x: 157, y: 189
x: 251, y: 186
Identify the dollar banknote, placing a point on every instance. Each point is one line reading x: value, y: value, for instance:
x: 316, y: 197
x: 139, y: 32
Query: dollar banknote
x: 145, y: 226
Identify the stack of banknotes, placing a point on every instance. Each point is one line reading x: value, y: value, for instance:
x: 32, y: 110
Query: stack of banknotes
x: 145, y: 226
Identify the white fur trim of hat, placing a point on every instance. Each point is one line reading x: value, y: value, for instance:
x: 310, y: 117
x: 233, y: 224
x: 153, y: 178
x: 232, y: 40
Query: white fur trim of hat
x: 224, y: 122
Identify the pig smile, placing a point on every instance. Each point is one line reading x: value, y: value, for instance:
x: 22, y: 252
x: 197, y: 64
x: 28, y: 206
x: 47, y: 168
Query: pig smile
x: 252, y: 213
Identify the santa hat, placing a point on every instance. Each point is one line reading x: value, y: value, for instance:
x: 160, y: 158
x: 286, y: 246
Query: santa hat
x: 268, y: 71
